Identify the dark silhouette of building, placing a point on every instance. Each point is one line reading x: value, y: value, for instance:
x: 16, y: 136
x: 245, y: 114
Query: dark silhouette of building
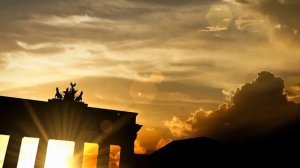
x: 189, y: 153
x: 66, y: 117
x: 277, y: 148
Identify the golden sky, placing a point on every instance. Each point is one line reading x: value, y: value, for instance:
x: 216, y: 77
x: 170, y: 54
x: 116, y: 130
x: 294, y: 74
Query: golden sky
x: 165, y: 59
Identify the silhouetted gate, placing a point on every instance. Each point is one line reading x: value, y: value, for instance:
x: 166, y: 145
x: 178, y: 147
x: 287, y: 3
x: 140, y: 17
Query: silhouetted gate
x: 67, y: 119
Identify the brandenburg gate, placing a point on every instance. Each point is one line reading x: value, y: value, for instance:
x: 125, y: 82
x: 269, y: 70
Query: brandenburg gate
x: 66, y: 117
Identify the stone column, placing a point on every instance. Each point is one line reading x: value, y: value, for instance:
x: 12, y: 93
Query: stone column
x: 103, y: 156
x: 78, y: 154
x: 127, y: 155
x: 41, y: 153
x: 12, y: 152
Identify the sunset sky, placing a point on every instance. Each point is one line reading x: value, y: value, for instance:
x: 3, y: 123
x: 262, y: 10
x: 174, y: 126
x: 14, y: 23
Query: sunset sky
x: 165, y: 59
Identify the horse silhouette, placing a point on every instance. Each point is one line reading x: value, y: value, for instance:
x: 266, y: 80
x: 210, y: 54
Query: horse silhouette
x: 72, y: 85
x: 79, y: 98
x: 58, y: 95
x: 67, y: 91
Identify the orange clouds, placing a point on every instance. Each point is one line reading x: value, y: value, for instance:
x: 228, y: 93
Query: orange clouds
x: 178, y: 127
x: 138, y: 149
x: 255, y: 108
x: 90, y: 155
x: 114, y: 160
x: 162, y: 142
x: 293, y: 93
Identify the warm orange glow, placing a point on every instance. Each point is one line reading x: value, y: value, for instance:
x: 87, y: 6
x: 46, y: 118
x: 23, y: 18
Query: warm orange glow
x: 59, y: 154
x: 162, y: 142
x: 28, y: 152
x: 90, y: 154
x: 138, y: 149
x: 3, y: 146
x: 114, y: 159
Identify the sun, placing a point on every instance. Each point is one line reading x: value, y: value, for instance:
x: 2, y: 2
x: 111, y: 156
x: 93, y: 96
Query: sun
x: 59, y: 154
x: 28, y: 152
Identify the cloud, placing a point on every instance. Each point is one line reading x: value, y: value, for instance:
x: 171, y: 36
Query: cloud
x: 213, y: 29
x: 138, y: 149
x: 250, y: 24
x: 87, y: 22
x: 295, y: 87
x: 114, y: 156
x: 150, y: 139
x: 267, y: 89
x: 162, y: 142
x: 138, y: 23
x: 175, y: 2
x: 293, y: 92
x: 66, y: 21
x: 280, y: 12
x: 255, y: 108
x: 34, y: 63
x: 3, y: 62
x: 178, y: 127
x: 27, y: 46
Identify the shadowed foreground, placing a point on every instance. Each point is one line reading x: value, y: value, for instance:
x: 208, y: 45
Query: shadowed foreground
x: 279, y: 148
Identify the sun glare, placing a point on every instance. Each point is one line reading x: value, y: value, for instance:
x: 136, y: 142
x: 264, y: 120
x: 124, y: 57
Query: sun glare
x: 90, y: 154
x: 3, y: 145
x: 28, y: 152
x: 59, y: 154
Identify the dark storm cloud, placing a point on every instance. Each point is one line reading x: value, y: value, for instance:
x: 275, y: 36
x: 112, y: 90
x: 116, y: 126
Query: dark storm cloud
x: 256, y: 108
